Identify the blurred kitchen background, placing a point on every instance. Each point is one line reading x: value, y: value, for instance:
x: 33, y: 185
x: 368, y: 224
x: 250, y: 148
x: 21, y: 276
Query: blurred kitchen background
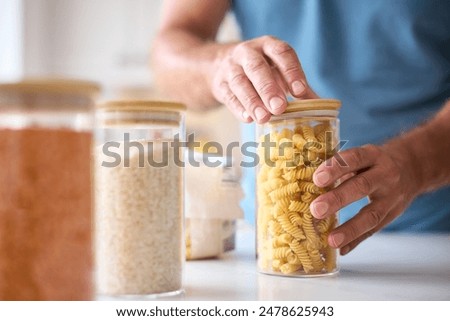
x: 107, y: 41
x: 103, y: 40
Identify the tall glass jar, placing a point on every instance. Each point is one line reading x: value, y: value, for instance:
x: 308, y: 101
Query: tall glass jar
x: 139, y: 199
x: 45, y: 190
x: 290, y: 241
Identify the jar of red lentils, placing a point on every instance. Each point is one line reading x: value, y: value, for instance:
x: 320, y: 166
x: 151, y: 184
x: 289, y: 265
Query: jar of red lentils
x: 45, y: 190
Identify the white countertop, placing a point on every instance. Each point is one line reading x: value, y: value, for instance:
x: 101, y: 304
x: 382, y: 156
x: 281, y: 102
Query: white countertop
x: 385, y: 267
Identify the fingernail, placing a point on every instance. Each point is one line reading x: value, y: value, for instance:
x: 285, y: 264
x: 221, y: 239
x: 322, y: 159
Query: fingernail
x: 245, y: 115
x: 321, y: 178
x: 298, y: 87
x: 276, y: 104
x: 338, y: 238
x: 260, y: 113
x: 345, y: 250
x: 319, y: 209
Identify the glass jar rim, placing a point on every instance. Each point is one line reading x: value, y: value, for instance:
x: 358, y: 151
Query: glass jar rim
x: 313, y: 104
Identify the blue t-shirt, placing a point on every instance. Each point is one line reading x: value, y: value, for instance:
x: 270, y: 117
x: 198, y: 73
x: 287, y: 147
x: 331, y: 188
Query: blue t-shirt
x: 388, y: 61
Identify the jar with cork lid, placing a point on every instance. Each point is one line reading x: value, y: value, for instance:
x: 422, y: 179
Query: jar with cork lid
x: 290, y: 241
x: 139, y: 199
x: 45, y: 190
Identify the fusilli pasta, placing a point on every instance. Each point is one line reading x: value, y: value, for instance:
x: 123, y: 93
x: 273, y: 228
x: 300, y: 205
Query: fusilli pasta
x: 290, y: 239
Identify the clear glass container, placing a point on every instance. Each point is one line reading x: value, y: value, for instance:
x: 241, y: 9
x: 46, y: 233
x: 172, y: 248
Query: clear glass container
x: 139, y: 199
x: 290, y: 241
x: 45, y: 190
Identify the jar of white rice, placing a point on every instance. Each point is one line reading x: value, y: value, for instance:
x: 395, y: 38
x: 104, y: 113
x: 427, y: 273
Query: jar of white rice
x: 139, y: 199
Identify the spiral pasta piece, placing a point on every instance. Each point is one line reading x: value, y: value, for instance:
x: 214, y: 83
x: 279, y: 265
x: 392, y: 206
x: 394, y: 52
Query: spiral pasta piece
x: 284, y: 191
x: 277, y: 263
x: 285, y: 149
x: 295, y: 218
x: 308, y: 134
x: 308, y: 187
x: 326, y: 224
x: 298, y: 141
x: 297, y: 206
x: 290, y: 228
x: 302, y: 253
x: 293, y: 259
x: 275, y: 228
x: 320, y: 128
x: 305, y: 173
x: 288, y: 268
x: 330, y: 259
x: 307, y: 197
x: 316, y: 260
x: 281, y: 240
x: 313, y: 239
x: 272, y: 184
x: 284, y: 133
x: 281, y: 252
x: 321, y: 131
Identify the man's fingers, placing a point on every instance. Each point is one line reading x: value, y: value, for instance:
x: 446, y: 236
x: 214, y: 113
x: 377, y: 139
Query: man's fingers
x: 350, y: 191
x: 346, y: 177
x: 227, y: 97
x: 388, y: 219
x: 350, y: 246
x: 285, y: 59
x: 352, y: 160
x: 259, y: 72
x: 243, y: 89
x: 370, y: 218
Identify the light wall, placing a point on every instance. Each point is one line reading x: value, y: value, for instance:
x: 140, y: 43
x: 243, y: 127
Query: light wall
x: 103, y: 40
x: 10, y: 40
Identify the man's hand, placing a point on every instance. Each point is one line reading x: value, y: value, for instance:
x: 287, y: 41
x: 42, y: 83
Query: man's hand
x: 253, y: 78
x: 385, y: 174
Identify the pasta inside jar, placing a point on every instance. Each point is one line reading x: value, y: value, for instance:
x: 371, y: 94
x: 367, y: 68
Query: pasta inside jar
x: 291, y: 147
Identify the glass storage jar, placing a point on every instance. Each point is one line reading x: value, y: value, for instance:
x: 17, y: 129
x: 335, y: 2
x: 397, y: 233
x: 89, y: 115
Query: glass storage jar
x: 290, y: 241
x: 139, y: 199
x: 45, y: 190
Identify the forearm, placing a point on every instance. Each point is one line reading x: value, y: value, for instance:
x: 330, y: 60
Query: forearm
x: 428, y: 150
x: 183, y: 65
